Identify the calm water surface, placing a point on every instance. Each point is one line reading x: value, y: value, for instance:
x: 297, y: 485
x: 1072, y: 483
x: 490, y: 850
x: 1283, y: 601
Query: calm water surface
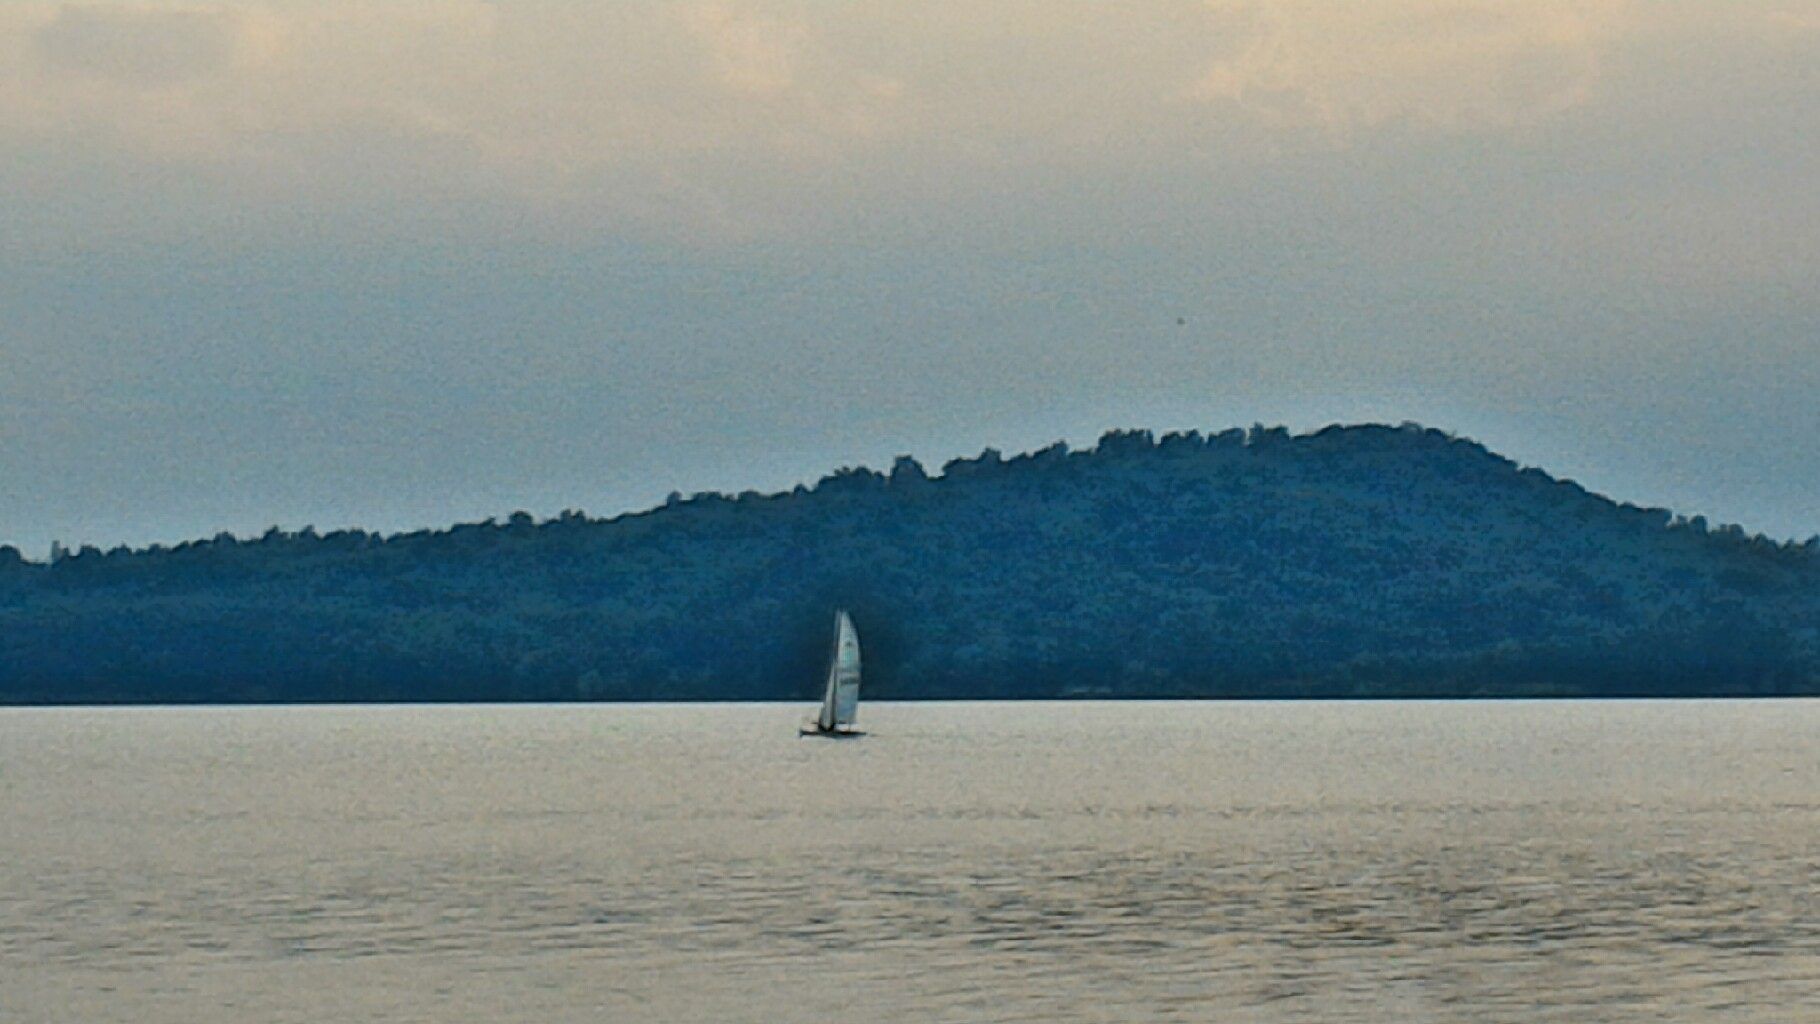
x: 1536, y: 861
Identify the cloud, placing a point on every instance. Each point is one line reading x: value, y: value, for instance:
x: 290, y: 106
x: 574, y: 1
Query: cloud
x: 751, y: 53
x: 723, y: 123
x: 148, y: 47
x: 1451, y: 64
x: 548, y: 97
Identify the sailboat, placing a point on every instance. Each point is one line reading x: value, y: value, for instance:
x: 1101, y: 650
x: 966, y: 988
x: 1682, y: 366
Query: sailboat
x: 840, y: 701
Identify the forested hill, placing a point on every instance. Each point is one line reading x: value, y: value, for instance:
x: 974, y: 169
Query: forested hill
x: 1357, y: 561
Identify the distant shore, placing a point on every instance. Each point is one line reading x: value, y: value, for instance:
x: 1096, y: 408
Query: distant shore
x: 1368, y: 562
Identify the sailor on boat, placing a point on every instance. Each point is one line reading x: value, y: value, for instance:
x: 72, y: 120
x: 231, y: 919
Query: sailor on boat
x: 840, y: 700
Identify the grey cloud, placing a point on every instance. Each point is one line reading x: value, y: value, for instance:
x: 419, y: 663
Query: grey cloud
x: 142, y: 47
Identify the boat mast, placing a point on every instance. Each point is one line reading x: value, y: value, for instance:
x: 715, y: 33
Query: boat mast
x: 826, y: 720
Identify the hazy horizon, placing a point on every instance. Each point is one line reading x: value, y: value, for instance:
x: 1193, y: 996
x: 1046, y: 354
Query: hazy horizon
x: 934, y: 468
x: 395, y: 266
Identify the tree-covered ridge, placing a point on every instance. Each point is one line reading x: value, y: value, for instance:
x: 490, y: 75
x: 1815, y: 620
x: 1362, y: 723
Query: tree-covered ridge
x: 1355, y: 561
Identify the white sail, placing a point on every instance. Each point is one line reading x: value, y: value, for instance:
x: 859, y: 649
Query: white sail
x: 840, y: 702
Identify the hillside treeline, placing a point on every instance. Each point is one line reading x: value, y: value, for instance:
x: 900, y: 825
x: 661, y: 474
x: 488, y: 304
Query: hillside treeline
x: 1357, y: 561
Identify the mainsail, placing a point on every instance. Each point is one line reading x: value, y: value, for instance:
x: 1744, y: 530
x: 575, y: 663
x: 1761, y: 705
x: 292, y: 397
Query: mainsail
x: 840, y: 704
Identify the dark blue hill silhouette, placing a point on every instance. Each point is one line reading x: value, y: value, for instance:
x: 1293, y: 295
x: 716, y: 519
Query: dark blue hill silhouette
x: 1357, y: 561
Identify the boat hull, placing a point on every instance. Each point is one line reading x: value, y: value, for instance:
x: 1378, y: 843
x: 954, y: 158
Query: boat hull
x: 813, y: 728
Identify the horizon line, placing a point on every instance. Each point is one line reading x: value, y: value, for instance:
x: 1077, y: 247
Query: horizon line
x: 1244, y: 437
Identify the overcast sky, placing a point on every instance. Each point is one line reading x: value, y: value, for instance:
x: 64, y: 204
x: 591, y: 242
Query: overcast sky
x: 406, y: 263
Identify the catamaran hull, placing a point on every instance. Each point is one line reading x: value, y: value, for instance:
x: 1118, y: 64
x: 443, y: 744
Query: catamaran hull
x: 813, y: 728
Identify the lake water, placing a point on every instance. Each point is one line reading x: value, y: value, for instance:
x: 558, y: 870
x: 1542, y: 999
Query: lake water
x: 1407, y: 861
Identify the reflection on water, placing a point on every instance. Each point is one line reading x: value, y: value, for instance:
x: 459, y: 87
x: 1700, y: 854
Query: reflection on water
x: 1046, y: 862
